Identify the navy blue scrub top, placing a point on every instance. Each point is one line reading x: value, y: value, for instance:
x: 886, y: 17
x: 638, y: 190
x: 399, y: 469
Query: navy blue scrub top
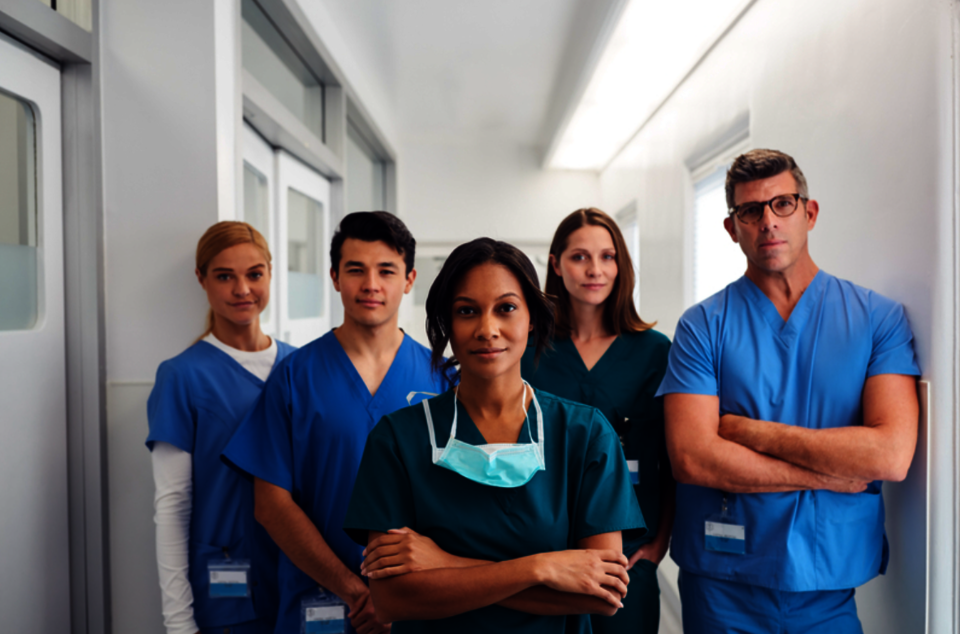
x: 199, y: 398
x: 807, y: 371
x: 584, y: 491
x: 307, y: 433
x: 622, y: 385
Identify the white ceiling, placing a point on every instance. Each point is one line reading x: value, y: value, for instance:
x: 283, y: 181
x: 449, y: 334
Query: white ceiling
x: 463, y: 70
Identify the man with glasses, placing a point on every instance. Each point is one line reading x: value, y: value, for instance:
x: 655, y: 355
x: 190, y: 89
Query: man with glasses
x: 789, y: 397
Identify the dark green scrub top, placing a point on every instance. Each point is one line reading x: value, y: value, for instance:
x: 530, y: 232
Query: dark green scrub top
x: 584, y: 491
x: 622, y: 385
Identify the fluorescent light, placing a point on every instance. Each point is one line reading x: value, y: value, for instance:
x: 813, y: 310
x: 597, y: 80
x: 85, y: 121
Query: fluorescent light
x: 653, y: 46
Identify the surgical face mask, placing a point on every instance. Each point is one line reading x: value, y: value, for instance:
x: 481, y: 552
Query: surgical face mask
x: 505, y: 465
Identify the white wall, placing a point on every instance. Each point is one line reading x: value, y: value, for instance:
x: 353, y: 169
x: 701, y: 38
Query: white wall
x: 169, y: 167
x: 859, y: 92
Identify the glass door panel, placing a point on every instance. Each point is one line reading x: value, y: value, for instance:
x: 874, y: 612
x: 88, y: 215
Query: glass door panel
x: 259, y: 169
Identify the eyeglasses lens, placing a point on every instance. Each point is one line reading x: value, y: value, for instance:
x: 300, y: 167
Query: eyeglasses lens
x: 781, y: 205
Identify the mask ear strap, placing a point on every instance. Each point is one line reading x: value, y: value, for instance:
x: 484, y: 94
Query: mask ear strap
x: 433, y: 437
x: 536, y: 406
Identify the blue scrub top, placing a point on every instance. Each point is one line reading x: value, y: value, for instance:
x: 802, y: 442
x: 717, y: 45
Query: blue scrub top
x: 307, y: 434
x: 197, y: 402
x: 621, y: 384
x: 807, y: 371
x: 584, y: 491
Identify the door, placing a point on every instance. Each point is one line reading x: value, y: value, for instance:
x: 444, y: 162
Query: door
x: 34, y: 557
x: 259, y: 209
x: 303, y: 210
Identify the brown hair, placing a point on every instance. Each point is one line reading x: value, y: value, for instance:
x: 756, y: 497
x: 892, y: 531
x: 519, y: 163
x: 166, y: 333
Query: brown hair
x: 221, y: 237
x: 620, y: 313
x: 759, y: 164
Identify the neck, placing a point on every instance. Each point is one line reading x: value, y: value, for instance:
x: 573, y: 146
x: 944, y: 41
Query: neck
x: 587, y: 321
x: 784, y: 288
x: 246, y: 337
x: 492, y: 396
x: 374, y: 342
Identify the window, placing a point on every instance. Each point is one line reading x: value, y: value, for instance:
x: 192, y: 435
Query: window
x: 18, y: 215
x: 268, y: 56
x: 630, y: 228
x: 365, y: 174
x: 717, y: 261
x: 305, y: 243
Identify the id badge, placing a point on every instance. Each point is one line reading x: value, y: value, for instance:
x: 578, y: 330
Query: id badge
x: 323, y: 613
x: 634, y: 467
x: 723, y: 535
x: 229, y: 578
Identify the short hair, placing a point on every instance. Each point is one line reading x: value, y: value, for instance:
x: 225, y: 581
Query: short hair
x: 620, y: 313
x: 374, y: 226
x: 465, y: 258
x: 759, y: 164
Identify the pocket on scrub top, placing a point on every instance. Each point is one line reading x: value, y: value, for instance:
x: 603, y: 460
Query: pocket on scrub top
x: 218, y: 611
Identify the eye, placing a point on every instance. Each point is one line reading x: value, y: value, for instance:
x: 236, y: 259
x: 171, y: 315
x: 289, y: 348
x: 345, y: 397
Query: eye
x: 387, y: 272
x: 464, y: 309
x: 256, y: 275
x: 609, y: 256
x: 507, y: 308
x: 223, y: 277
x: 576, y: 257
x: 354, y: 270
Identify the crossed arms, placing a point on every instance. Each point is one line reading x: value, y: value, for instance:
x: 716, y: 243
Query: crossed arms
x: 742, y: 455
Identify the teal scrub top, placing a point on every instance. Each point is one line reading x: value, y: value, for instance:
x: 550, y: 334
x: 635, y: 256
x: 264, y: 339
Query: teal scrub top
x: 622, y: 385
x: 584, y: 491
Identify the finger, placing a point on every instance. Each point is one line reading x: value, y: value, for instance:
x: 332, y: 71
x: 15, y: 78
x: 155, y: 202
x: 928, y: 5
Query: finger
x: 383, y: 562
x: 617, y: 572
x: 383, y: 553
x: 616, y: 585
x: 634, y: 558
x: 399, y: 531
x: 392, y: 571
x: 386, y: 538
x: 614, y: 556
x: 606, y: 595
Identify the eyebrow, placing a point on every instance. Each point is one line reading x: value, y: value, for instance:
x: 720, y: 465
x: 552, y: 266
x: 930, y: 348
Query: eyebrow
x: 464, y: 298
x: 229, y: 270
x: 381, y: 265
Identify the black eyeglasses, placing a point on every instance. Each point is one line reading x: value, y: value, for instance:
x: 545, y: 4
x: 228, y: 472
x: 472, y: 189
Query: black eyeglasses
x: 782, y: 205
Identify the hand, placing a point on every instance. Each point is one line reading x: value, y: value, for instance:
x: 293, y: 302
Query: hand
x: 597, y: 573
x: 399, y: 551
x: 842, y: 485
x: 652, y: 551
x: 362, y: 616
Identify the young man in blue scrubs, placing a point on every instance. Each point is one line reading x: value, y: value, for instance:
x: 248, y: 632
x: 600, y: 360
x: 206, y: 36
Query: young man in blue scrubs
x: 790, y: 396
x: 303, y: 441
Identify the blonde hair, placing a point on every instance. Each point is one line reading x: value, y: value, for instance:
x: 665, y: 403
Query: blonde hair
x: 219, y: 238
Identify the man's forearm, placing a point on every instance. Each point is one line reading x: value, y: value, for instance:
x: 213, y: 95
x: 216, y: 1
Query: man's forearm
x: 297, y: 536
x: 544, y: 601
x: 860, y: 453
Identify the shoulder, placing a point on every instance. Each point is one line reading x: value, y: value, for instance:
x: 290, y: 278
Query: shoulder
x: 848, y: 295
x: 193, y: 361
x: 572, y: 414
x: 648, y: 339
x: 284, y: 349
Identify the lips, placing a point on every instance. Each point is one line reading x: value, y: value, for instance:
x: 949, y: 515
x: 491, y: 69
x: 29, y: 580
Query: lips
x: 488, y: 353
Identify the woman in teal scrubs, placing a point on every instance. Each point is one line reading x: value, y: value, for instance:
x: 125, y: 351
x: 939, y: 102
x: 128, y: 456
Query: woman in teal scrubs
x: 493, y: 506
x: 604, y: 355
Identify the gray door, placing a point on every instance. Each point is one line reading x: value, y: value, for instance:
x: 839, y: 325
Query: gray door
x: 34, y: 563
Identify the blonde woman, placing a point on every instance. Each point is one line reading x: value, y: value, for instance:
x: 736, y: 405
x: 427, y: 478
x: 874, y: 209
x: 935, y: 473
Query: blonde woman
x: 217, y: 565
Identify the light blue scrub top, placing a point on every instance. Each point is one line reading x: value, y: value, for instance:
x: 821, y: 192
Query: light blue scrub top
x: 807, y: 371
x: 584, y: 491
x: 307, y: 433
x: 198, y: 401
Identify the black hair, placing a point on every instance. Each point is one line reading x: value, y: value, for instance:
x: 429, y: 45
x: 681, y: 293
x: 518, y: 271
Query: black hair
x: 465, y: 258
x: 374, y: 226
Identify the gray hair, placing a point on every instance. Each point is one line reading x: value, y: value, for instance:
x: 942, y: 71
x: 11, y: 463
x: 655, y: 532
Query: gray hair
x: 759, y: 164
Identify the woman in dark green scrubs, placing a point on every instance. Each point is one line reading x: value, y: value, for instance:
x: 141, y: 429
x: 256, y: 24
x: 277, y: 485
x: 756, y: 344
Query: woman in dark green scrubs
x: 511, y: 501
x: 604, y: 355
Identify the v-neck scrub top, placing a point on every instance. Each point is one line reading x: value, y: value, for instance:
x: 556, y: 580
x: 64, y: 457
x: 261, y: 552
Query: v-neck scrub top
x: 198, y: 401
x: 584, y: 491
x: 307, y: 433
x: 808, y: 371
x: 622, y: 385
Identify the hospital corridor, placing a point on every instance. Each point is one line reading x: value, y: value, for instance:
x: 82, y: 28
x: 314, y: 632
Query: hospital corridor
x: 276, y: 274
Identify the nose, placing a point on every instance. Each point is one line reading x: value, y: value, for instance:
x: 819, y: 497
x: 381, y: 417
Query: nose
x: 242, y: 287
x: 370, y: 282
x: 592, y: 268
x: 769, y: 219
x: 487, y: 328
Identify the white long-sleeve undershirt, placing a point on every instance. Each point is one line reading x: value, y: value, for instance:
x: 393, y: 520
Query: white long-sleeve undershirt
x: 173, y: 503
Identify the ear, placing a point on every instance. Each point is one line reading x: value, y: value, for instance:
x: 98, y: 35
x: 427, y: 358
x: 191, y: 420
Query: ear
x: 813, y: 212
x: 728, y: 224
x: 555, y: 266
x: 411, y: 277
x: 335, y: 278
x: 200, y: 278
